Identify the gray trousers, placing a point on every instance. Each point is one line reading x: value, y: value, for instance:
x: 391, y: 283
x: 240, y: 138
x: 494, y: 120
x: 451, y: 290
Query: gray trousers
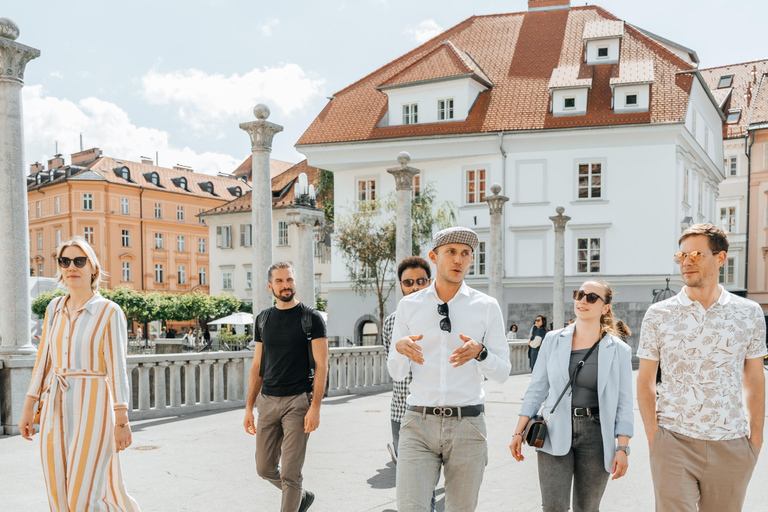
x: 428, y: 442
x: 281, y: 444
x: 583, y: 466
x: 396, y: 442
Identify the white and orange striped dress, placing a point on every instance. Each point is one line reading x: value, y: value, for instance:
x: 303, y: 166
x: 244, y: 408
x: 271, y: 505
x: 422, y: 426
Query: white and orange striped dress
x: 81, y: 371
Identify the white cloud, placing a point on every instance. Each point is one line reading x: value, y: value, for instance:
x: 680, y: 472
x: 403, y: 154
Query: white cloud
x: 207, y: 100
x: 266, y: 28
x: 57, y: 74
x: 106, y: 126
x: 424, y: 31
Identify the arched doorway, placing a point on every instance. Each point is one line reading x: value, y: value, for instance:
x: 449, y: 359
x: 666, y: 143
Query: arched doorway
x: 367, y: 331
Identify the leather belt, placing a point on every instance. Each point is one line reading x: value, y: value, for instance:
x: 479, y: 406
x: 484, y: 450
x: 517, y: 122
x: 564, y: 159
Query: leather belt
x: 581, y: 412
x: 447, y: 412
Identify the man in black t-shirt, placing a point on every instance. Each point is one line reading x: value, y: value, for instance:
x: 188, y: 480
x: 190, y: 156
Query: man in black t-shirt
x: 286, y: 396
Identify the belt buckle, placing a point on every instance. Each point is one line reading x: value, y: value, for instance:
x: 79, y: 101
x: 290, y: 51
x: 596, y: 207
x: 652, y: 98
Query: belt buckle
x: 445, y: 412
x: 576, y: 412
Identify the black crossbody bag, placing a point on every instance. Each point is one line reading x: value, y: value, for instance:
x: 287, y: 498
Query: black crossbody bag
x: 536, y: 430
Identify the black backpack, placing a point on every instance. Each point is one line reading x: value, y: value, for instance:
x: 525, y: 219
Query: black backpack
x: 306, y: 326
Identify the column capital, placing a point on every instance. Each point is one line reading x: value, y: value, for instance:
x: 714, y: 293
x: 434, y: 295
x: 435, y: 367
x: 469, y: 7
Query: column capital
x: 496, y: 201
x: 560, y: 220
x: 403, y: 173
x: 301, y: 216
x: 13, y: 56
x: 261, y: 131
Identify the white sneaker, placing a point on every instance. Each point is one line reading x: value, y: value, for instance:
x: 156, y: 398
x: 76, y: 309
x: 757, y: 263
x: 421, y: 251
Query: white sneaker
x: 391, y: 449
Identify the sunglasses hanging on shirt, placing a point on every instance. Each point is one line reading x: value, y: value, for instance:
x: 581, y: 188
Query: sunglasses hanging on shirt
x: 445, y: 323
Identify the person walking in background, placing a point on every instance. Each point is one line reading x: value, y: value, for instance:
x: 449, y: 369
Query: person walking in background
x: 450, y: 337
x: 512, y: 334
x: 584, y: 373
x: 83, y: 350
x: 710, y: 346
x: 538, y: 333
x: 287, y: 394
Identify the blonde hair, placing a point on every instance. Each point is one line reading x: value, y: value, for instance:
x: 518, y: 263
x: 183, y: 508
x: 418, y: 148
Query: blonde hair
x: 80, y: 243
x: 607, y: 321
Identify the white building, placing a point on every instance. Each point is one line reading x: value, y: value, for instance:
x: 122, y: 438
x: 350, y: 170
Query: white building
x: 232, y: 240
x: 564, y: 106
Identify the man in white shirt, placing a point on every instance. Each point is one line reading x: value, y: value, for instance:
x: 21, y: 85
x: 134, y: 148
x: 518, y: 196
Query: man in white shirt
x: 449, y: 337
x: 710, y: 346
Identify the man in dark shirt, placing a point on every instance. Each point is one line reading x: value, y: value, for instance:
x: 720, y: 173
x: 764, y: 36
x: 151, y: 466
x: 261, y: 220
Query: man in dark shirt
x: 287, y: 399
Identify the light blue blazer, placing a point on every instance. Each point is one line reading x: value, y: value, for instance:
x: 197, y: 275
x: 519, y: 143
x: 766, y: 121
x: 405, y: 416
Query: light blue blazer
x: 614, y: 390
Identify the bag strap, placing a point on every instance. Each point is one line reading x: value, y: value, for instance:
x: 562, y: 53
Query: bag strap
x: 306, y: 326
x: 261, y: 321
x: 579, y: 366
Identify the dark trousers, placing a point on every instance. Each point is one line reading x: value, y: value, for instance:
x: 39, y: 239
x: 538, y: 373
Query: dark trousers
x: 533, y: 353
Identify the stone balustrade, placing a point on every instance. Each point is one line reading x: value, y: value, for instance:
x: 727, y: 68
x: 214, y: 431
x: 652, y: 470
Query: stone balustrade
x: 518, y: 357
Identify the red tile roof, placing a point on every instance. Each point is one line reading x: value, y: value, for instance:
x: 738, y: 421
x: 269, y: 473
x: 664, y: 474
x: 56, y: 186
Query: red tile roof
x: 746, y: 81
x: 518, y: 52
x: 275, y: 167
x: 759, y: 114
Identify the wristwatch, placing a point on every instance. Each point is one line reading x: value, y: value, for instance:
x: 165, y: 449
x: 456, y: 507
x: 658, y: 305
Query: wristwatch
x: 625, y: 449
x: 483, y: 354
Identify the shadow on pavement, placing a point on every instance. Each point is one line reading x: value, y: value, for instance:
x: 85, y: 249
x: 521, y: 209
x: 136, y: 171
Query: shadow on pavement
x: 385, y: 478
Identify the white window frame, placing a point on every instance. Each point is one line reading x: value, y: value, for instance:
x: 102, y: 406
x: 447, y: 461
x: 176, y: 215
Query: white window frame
x: 600, y: 250
x: 476, y: 196
x: 607, y: 52
x: 202, y: 245
x: 248, y: 279
x: 39, y: 210
x: 626, y: 99
x: 40, y: 270
x: 416, y: 187
x: 58, y: 237
x: 410, y: 113
x: 125, y: 237
x: 733, y: 166
x: 158, y: 210
x: 729, y: 218
x: 87, y: 201
x: 39, y: 241
x: 56, y: 205
x: 125, y: 206
x: 224, y: 236
x: 283, y: 234
x: 181, y: 243
x: 227, y: 279
x: 88, y: 234
x: 445, y: 109
x: 246, y: 235
x: 202, y: 220
x: 159, y: 271
x: 565, y: 100
x: 687, y: 186
x: 479, y: 265
x: 181, y: 274
x: 127, y: 272
x: 159, y: 242
x: 180, y: 213
x: 368, y: 192
x: 202, y: 276
x: 590, y: 162
x: 727, y: 274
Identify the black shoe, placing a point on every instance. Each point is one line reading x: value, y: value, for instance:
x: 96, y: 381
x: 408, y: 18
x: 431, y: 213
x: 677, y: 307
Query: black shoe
x: 307, y: 498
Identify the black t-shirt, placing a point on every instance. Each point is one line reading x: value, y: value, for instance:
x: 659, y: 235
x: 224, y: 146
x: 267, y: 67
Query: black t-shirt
x: 285, y: 351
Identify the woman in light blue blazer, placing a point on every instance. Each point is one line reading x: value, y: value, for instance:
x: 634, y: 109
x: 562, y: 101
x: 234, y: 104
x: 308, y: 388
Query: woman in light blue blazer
x: 581, y: 444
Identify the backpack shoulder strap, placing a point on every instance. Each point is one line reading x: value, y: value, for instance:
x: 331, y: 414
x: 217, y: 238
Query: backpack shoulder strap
x: 306, y: 326
x: 261, y: 321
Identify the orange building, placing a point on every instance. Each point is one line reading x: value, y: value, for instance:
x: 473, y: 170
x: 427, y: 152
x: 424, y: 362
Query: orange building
x: 141, y: 219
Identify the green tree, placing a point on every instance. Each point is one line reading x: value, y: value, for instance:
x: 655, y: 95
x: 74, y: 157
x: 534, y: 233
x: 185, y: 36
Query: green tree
x: 367, y: 239
x: 324, y: 188
x: 41, y: 302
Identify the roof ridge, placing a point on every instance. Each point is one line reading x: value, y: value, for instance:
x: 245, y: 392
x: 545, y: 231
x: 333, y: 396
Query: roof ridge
x: 757, y: 95
x: 406, y: 55
x: 673, y: 57
x: 447, y: 43
x: 736, y: 64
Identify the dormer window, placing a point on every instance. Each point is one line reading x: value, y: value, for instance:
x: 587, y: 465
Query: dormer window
x: 180, y: 182
x: 733, y: 116
x: 632, y: 88
x: 411, y: 113
x: 207, y: 186
x: 122, y: 172
x: 602, y: 52
x: 725, y: 81
x: 630, y: 100
x: 237, y: 191
x: 569, y: 103
x: 602, y: 41
x: 445, y: 109
x: 153, y: 178
x: 569, y: 89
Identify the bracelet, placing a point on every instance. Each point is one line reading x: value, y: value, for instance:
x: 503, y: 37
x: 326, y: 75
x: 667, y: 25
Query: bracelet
x: 122, y: 425
x: 518, y: 434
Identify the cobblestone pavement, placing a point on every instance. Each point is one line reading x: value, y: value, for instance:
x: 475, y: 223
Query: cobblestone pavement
x: 205, y: 462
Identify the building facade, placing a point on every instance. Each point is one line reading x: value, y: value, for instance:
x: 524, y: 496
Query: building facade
x: 560, y: 105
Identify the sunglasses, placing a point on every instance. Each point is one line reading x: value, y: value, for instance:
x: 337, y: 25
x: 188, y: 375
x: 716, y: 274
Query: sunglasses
x: 420, y: 281
x: 79, y: 261
x: 591, y: 297
x: 445, y: 323
x: 694, y: 256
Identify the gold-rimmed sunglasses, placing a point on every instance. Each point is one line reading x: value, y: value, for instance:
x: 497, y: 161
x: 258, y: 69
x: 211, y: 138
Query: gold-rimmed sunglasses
x: 693, y: 256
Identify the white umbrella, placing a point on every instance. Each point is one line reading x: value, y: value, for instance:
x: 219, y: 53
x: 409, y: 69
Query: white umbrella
x: 236, y: 319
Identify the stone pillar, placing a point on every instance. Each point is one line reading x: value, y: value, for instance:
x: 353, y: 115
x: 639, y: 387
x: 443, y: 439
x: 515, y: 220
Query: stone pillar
x: 144, y: 391
x: 190, y: 388
x: 176, y: 383
x: 404, y: 235
x: 306, y: 218
x: 14, y: 238
x: 496, y: 249
x: 159, y: 369
x: 218, y: 381
x: 559, y: 221
x: 205, y: 381
x: 261, y: 133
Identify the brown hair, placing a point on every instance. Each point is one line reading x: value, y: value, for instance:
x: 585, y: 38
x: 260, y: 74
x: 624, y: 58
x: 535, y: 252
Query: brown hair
x: 623, y: 330
x: 607, y: 322
x: 718, y: 240
x: 279, y: 264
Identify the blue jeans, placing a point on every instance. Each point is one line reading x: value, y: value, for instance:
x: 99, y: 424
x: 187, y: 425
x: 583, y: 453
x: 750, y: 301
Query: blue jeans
x: 583, y: 465
x: 428, y: 442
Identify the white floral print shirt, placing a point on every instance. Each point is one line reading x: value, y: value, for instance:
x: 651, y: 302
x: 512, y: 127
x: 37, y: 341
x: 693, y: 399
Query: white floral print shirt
x: 701, y: 354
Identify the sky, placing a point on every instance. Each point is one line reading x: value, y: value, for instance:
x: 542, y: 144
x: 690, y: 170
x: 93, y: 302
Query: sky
x: 176, y: 78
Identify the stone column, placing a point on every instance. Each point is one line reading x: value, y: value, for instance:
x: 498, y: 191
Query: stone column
x: 144, y: 391
x: 159, y: 369
x: 14, y: 237
x: 404, y: 180
x: 190, y: 388
x: 176, y: 383
x: 496, y: 249
x: 559, y: 221
x: 261, y: 133
x: 306, y: 218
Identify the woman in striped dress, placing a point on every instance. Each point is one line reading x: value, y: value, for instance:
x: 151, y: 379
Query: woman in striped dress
x: 80, y: 374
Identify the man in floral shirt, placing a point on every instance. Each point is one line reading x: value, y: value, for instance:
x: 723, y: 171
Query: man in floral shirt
x: 710, y: 345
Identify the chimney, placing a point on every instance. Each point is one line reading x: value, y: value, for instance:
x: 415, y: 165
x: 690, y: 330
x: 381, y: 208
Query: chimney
x: 36, y: 167
x: 147, y: 160
x: 754, y: 74
x: 548, y: 5
x: 55, y: 162
x: 84, y: 157
x: 748, y: 94
x: 179, y: 167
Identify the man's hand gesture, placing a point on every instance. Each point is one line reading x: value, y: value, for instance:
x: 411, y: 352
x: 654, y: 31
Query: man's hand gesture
x: 468, y: 351
x: 408, y: 347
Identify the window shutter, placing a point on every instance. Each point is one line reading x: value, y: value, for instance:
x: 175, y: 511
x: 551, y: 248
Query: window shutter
x: 242, y: 235
x: 218, y: 236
